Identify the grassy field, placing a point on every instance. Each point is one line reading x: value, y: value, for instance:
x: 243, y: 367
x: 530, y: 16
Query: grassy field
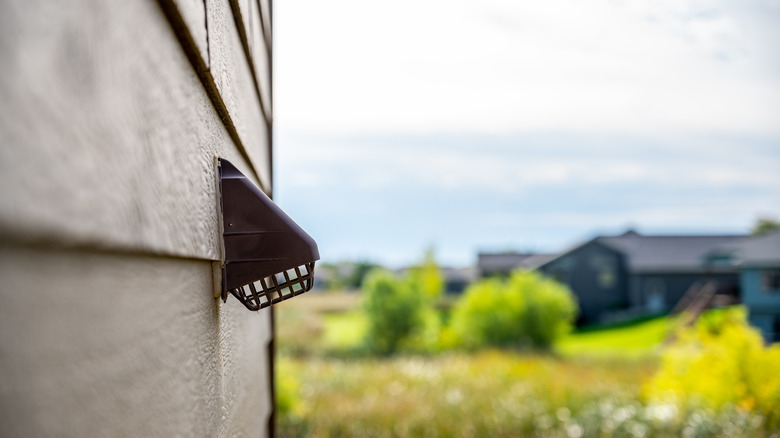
x: 633, y: 340
x: 592, y: 385
x: 488, y: 394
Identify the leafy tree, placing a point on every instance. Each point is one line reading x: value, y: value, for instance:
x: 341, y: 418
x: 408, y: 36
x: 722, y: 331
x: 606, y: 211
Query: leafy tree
x: 394, y: 309
x: 397, y: 306
x: 765, y: 226
x: 526, y: 310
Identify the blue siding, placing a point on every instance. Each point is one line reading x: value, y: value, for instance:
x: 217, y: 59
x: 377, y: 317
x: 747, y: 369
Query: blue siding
x: 763, y: 305
x: 753, y: 293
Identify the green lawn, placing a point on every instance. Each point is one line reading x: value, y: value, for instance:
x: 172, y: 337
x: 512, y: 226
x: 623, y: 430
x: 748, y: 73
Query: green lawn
x: 637, y: 339
x: 345, y: 330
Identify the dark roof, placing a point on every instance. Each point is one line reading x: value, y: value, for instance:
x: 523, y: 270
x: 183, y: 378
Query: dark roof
x: 507, y: 261
x: 760, y: 251
x: 668, y: 253
x: 465, y: 275
x: 536, y: 260
x: 501, y: 261
x: 651, y: 254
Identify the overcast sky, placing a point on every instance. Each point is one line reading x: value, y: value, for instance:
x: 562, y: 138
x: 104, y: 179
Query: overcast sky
x: 499, y: 125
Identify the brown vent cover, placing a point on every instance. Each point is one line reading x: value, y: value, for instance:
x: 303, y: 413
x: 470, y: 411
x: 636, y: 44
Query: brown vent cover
x: 268, y: 257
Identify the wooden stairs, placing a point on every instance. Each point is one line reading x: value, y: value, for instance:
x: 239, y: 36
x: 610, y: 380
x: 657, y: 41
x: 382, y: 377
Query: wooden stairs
x: 701, y: 296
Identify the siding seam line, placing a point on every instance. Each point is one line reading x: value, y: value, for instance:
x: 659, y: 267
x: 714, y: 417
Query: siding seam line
x: 242, y: 35
x: 267, y: 118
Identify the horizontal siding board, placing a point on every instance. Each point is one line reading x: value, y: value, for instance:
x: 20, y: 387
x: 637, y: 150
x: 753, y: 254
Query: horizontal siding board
x: 96, y: 344
x: 260, y: 59
x: 194, y: 14
x: 232, y: 75
x: 108, y: 135
x: 265, y: 14
x: 258, y: 49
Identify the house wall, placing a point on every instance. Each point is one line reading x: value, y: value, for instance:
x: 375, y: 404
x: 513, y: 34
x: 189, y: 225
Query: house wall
x: 111, y: 116
x: 673, y: 286
x: 763, y: 304
x: 586, y: 270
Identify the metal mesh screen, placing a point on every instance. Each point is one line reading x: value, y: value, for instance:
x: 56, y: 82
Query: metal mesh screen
x: 276, y: 288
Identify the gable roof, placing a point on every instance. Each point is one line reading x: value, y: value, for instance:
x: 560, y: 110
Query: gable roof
x: 645, y: 254
x: 659, y: 254
x: 537, y: 260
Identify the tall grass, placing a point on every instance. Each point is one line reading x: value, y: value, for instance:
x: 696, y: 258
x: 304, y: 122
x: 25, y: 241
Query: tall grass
x: 593, y: 385
x: 491, y: 394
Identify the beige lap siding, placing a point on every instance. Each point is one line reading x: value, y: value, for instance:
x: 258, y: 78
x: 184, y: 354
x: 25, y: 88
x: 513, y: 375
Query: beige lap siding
x: 94, y: 344
x: 232, y: 74
x: 109, y: 226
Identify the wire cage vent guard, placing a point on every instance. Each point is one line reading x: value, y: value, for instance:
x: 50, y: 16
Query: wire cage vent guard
x: 272, y: 290
x: 268, y: 257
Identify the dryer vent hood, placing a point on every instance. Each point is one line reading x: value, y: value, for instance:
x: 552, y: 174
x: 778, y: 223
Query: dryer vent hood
x: 268, y: 257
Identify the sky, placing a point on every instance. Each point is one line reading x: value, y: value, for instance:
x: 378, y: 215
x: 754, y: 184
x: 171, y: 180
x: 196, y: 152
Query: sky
x: 517, y: 125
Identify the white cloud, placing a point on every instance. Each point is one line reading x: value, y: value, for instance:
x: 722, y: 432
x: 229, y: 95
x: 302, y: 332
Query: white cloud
x: 734, y: 214
x: 361, y: 164
x: 500, y: 66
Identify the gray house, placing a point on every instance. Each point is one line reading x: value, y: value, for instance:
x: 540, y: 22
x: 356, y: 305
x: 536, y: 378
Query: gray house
x: 631, y: 274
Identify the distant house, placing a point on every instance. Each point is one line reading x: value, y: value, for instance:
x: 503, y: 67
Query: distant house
x: 597, y: 274
x: 633, y: 274
x: 456, y: 280
x: 630, y: 274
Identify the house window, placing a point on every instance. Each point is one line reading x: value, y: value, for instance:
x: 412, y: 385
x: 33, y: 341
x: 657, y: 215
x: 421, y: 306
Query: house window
x: 655, y: 295
x: 771, y: 280
x: 607, y: 278
x: 604, y: 268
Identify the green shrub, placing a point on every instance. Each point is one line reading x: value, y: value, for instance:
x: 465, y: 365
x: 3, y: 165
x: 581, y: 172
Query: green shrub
x: 526, y: 310
x: 720, y: 363
x: 394, y: 309
x: 400, y: 310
